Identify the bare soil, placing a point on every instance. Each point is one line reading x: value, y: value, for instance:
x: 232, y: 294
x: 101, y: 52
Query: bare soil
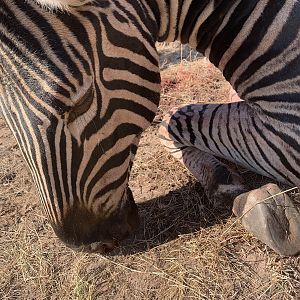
x: 184, y: 249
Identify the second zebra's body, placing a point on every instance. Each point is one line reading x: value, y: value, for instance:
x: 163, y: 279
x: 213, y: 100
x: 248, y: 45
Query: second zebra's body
x: 256, y: 44
x: 77, y: 88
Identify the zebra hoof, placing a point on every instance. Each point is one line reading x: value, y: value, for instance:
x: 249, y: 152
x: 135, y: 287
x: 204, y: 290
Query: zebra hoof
x: 227, y: 185
x: 271, y: 216
x: 225, y: 193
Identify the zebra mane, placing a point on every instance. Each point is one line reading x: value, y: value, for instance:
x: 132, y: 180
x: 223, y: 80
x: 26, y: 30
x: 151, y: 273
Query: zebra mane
x: 61, y: 4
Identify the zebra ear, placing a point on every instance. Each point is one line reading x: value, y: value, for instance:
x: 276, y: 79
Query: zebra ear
x: 62, y: 4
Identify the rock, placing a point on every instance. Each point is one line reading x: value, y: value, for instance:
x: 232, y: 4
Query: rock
x: 272, y: 217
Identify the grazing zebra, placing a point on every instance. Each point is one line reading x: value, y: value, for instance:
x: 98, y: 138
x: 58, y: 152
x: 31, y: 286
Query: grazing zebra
x: 79, y: 82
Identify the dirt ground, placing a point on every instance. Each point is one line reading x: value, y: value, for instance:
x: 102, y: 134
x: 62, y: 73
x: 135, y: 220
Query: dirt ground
x: 184, y: 249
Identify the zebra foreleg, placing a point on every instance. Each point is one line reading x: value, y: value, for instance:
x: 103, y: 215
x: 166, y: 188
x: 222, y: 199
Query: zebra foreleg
x: 221, y: 183
x: 198, y: 134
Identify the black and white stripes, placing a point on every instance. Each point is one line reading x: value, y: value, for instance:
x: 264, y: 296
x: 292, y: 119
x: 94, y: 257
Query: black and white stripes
x: 77, y: 90
x: 256, y: 45
x: 77, y: 87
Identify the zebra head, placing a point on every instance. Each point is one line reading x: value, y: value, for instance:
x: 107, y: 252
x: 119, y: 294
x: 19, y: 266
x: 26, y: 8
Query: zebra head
x: 76, y: 90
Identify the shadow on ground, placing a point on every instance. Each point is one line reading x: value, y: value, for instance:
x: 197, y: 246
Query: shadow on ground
x: 164, y: 218
x: 182, y: 211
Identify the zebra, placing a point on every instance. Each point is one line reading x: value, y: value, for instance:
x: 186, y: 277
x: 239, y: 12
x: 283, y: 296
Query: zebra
x: 80, y: 82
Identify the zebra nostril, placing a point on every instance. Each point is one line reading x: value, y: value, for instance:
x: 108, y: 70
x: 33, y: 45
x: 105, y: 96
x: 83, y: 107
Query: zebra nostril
x: 99, y: 247
x: 107, y: 248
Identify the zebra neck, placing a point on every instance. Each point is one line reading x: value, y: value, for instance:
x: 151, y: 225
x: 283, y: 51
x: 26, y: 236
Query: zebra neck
x: 192, y: 22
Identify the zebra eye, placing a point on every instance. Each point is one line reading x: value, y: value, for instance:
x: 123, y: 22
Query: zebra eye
x: 80, y: 107
x: 62, y: 4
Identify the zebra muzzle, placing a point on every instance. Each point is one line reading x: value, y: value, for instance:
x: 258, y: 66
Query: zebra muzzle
x: 97, y: 247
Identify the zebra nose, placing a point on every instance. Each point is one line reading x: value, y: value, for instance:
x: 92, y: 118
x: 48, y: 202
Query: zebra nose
x: 97, y: 247
x: 86, y: 231
x: 87, y: 237
x: 102, y: 248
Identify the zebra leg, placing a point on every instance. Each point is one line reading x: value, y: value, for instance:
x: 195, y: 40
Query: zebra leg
x: 198, y: 135
x: 234, y: 132
x: 220, y: 181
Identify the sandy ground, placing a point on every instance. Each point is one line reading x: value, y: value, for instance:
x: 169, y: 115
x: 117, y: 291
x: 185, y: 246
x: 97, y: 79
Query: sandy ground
x: 184, y: 249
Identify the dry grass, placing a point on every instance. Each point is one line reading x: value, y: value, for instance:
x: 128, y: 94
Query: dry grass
x: 184, y: 249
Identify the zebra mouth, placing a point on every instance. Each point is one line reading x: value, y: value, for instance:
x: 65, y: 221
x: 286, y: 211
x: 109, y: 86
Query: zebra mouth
x: 96, y: 247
